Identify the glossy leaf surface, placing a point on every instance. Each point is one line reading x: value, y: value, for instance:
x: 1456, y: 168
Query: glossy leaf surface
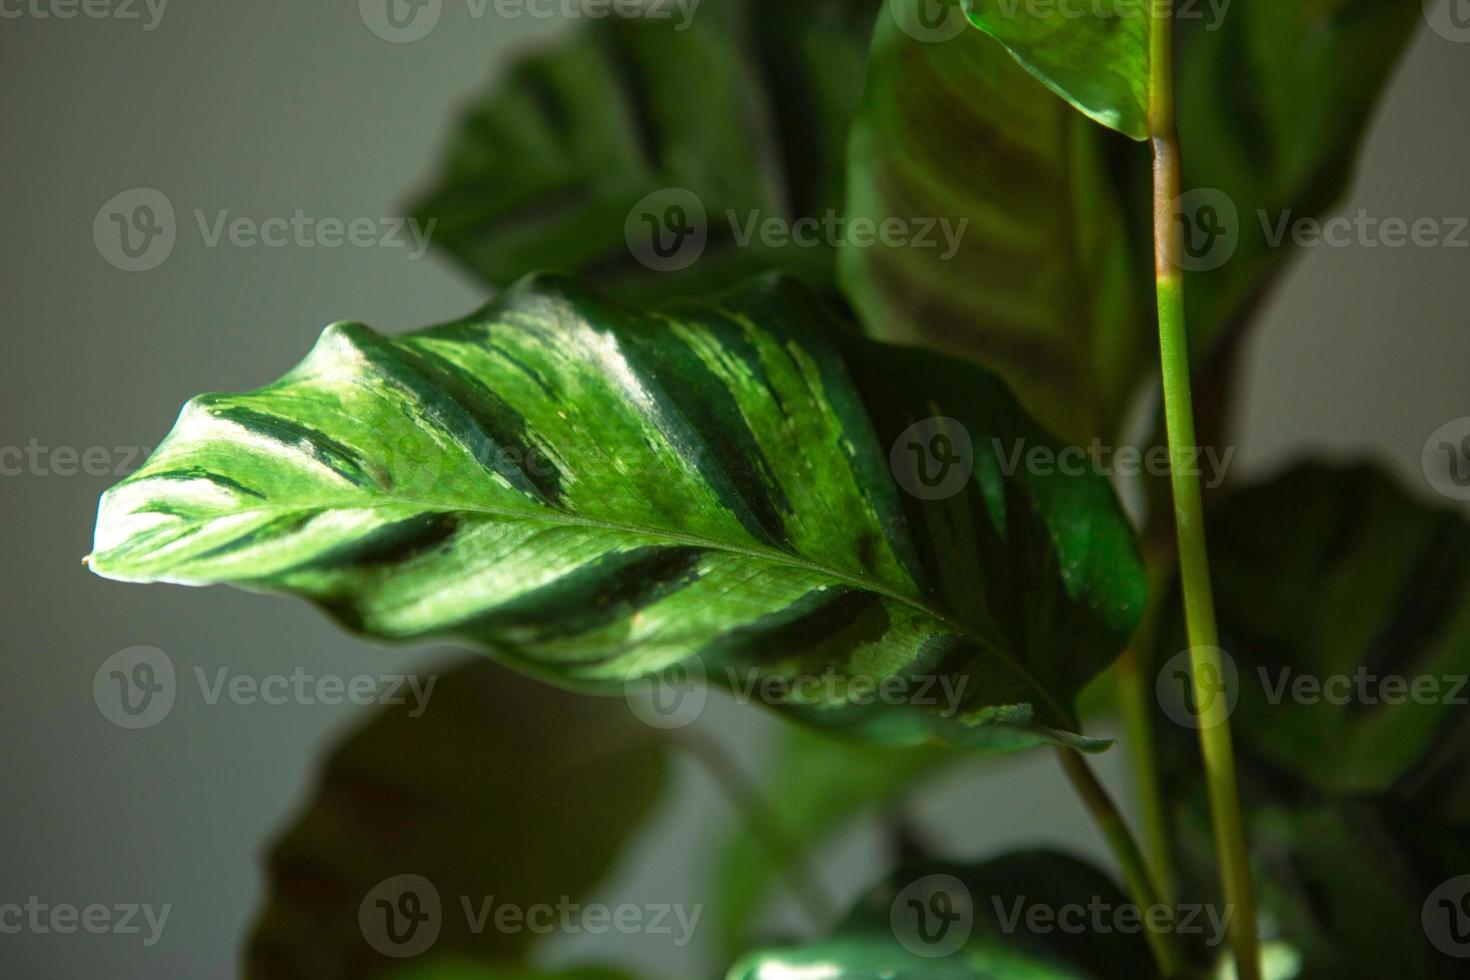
x: 597, y: 494
x: 1096, y: 56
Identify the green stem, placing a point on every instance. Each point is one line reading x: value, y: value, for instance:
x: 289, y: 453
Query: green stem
x: 1125, y: 848
x: 1134, y: 702
x: 1194, y: 570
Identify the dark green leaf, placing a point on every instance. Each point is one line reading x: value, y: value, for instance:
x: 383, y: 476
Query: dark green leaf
x: 501, y: 787
x: 1334, y: 878
x: 1051, y: 283
x: 1337, y: 593
x: 946, y: 922
x: 745, y: 105
x: 819, y: 787
x: 1044, y: 286
x: 1099, y: 62
x: 598, y: 494
x: 1345, y: 605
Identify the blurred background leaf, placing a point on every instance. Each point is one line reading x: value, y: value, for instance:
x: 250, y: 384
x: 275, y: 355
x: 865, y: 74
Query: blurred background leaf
x: 1045, y: 287
x: 746, y: 105
x: 817, y: 788
x: 502, y: 787
x: 936, y: 921
x: 1355, y: 811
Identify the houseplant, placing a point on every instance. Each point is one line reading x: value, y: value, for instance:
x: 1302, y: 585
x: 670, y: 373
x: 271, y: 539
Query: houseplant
x: 661, y: 466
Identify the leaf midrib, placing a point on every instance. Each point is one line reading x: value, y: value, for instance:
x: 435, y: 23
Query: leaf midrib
x: 770, y: 555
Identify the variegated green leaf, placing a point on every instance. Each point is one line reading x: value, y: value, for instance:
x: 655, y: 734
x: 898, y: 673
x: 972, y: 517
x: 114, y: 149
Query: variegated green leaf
x: 738, y: 109
x: 597, y: 494
x: 1044, y: 286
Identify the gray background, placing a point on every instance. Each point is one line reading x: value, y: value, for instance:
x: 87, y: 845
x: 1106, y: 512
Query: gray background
x: 264, y: 107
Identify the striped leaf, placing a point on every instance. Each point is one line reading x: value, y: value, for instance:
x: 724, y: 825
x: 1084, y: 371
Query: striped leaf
x: 1337, y: 594
x: 745, y: 106
x: 1049, y: 284
x: 597, y: 494
x: 478, y: 792
x: 1045, y: 286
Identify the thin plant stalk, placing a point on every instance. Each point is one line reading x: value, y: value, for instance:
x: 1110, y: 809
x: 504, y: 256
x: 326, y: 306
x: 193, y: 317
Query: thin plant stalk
x: 1134, y: 701
x: 1141, y: 886
x: 1199, y: 607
